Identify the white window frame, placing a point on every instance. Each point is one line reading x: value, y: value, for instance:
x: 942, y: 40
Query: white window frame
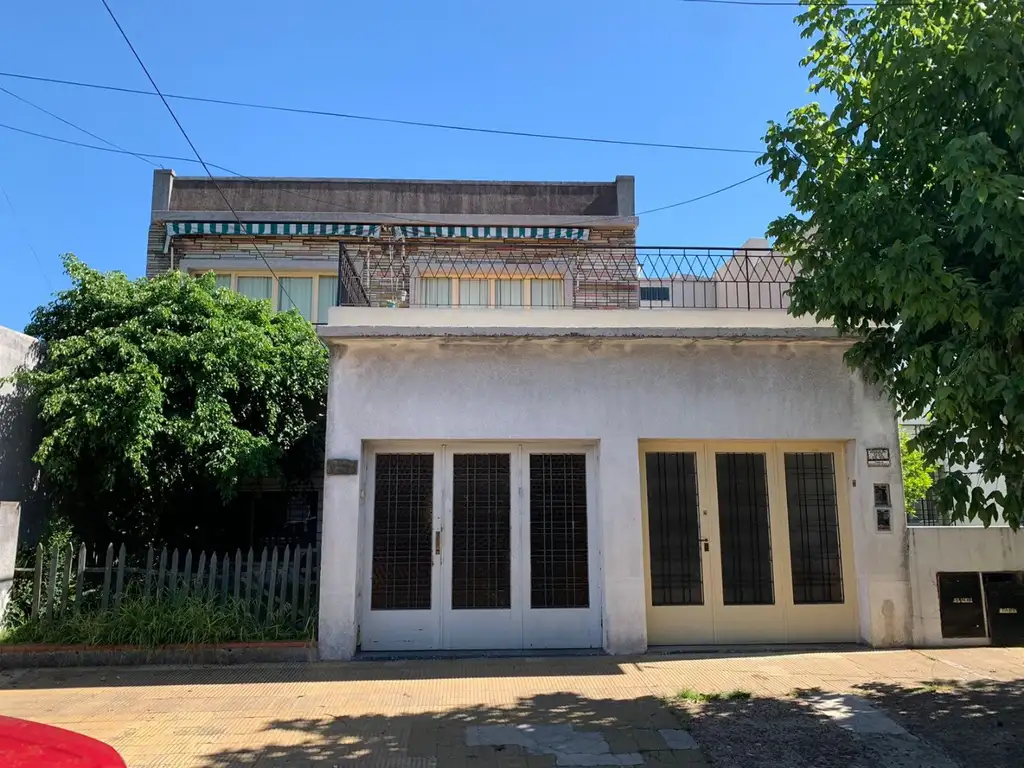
x: 492, y: 289
x: 275, y: 288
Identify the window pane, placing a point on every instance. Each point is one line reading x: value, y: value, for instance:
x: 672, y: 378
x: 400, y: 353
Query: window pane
x: 814, y: 528
x: 655, y: 293
x: 255, y: 287
x: 673, y: 515
x: 403, y: 526
x: 510, y: 293
x: 223, y: 281
x: 559, y: 557
x: 296, y: 292
x: 547, y: 293
x: 744, y: 529
x: 474, y: 293
x: 481, y: 530
x: 437, y: 292
x: 326, y: 297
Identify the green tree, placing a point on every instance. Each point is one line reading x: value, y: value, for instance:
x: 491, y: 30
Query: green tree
x: 159, y: 397
x: 908, y: 227
x: 918, y: 473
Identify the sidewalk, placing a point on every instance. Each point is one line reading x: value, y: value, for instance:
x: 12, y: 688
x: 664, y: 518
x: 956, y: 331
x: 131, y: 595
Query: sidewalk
x: 909, y: 708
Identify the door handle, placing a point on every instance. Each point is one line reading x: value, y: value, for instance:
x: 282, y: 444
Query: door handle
x: 706, y: 543
x: 437, y: 542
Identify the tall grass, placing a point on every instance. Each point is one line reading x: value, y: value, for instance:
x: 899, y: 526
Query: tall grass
x: 191, y: 620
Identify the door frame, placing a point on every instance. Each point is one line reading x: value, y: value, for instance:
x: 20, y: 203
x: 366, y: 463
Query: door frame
x: 784, y: 621
x: 542, y: 636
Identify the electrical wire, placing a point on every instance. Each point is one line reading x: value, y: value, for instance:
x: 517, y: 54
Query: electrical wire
x: 705, y: 196
x: 404, y: 219
x: 194, y: 150
x: 35, y: 253
x: 78, y: 127
x: 377, y: 119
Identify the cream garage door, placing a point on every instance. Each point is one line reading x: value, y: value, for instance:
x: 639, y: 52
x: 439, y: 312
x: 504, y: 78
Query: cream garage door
x: 747, y: 543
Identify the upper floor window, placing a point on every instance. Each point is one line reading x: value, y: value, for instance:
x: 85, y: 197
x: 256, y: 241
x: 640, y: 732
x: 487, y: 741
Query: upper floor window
x: 311, y: 295
x: 491, y: 292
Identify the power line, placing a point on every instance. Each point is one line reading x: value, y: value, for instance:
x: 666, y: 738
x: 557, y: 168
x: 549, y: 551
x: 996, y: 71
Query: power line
x: 405, y: 219
x: 78, y: 127
x: 377, y: 119
x: 705, y: 196
x: 14, y: 216
x: 195, y: 151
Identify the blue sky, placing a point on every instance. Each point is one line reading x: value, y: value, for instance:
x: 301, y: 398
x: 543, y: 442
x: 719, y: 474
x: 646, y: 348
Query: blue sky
x: 651, y: 70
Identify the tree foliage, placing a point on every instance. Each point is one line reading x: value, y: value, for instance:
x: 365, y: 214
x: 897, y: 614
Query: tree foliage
x: 918, y: 473
x: 909, y: 220
x: 159, y: 397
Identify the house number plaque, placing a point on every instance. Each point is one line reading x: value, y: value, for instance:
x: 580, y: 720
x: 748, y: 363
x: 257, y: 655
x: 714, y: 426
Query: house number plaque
x: 878, y: 457
x: 342, y: 466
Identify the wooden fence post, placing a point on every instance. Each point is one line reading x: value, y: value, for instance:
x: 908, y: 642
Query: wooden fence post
x: 212, y: 583
x: 282, y: 598
x: 295, y: 584
x: 172, y: 580
x: 197, y: 585
x: 51, y: 587
x: 161, y: 573
x: 119, y: 588
x: 83, y: 556
x: 306, y: 612
x: 226, y: 568
x: 262, y: 574
x: 273, y: 583
x: 149, y: 573
x: 108, y: 565
x: 69, y: 563
x: 186, y: 574
x: 238, y: 570
x: 37, y: 587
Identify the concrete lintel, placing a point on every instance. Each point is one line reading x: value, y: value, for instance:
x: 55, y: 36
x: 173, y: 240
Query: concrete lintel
x: 397, y: 219
x: 346, y: 334
x: 236, y: 261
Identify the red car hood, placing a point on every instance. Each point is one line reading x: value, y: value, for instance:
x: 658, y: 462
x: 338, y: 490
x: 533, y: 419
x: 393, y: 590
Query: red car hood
x: 24, y: 744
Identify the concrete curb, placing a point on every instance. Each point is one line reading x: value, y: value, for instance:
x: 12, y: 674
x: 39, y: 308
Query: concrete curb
x: 29, y: 656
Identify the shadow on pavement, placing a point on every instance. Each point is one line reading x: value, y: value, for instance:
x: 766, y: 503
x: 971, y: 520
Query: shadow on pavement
x: 979, y: 723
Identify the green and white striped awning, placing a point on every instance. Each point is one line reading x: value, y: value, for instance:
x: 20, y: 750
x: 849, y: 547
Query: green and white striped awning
x: 268, y: 229
x: 496, y: 233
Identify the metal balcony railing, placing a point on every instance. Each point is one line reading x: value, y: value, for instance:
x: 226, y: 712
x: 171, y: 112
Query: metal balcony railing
x: 581, y: 276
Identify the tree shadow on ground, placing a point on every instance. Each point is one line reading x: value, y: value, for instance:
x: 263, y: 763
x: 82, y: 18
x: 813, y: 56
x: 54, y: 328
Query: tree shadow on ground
x: 755, y: 732
x: 978, y: 723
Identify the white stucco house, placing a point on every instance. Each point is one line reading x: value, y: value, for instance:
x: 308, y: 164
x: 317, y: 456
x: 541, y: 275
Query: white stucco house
x: 528, y: 447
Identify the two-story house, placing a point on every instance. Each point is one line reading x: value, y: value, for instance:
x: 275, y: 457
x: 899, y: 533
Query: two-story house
x: 542, y: 435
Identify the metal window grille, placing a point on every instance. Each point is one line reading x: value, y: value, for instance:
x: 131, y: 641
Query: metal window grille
x: 655, y: 293
x: 559, y: 557
x: 673, y: 517
x: 744, y: 529
x: 481, y: 531
x: 814, y: 549
x: 403, y: 524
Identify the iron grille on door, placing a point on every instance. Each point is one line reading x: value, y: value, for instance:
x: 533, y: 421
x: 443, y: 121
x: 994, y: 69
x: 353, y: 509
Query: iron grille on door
x: 559, y: 576
x: 744, y: 529
x: 814, y: 528
x: 674, y: 529
x: 481, y: 531
x: 403, y: 523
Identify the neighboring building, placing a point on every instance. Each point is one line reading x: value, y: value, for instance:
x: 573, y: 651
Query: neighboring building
x: 19, y: 438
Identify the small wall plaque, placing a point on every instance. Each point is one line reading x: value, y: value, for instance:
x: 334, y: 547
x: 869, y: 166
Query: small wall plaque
x: 878, y: 457
x: 342, y: 466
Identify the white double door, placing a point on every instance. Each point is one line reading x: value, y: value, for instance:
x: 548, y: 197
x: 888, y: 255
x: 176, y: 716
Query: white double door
x: 480, y: 547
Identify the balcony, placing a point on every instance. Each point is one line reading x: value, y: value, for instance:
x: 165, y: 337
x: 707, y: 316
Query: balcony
x: 580, y: 289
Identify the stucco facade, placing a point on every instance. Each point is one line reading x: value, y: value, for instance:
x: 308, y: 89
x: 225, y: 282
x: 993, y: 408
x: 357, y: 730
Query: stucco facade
x: 595, y: 379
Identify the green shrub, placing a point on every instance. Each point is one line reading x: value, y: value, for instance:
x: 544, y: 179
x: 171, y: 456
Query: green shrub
x: 192, y: 620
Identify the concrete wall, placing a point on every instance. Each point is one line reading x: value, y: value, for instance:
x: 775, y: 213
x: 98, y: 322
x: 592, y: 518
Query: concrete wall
x: 614, y: 393
x: 18, y: 434
x: 949, y: 549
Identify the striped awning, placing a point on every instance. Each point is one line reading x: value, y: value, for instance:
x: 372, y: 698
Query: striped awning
x: 268, y: 229
x: 496, y: 233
